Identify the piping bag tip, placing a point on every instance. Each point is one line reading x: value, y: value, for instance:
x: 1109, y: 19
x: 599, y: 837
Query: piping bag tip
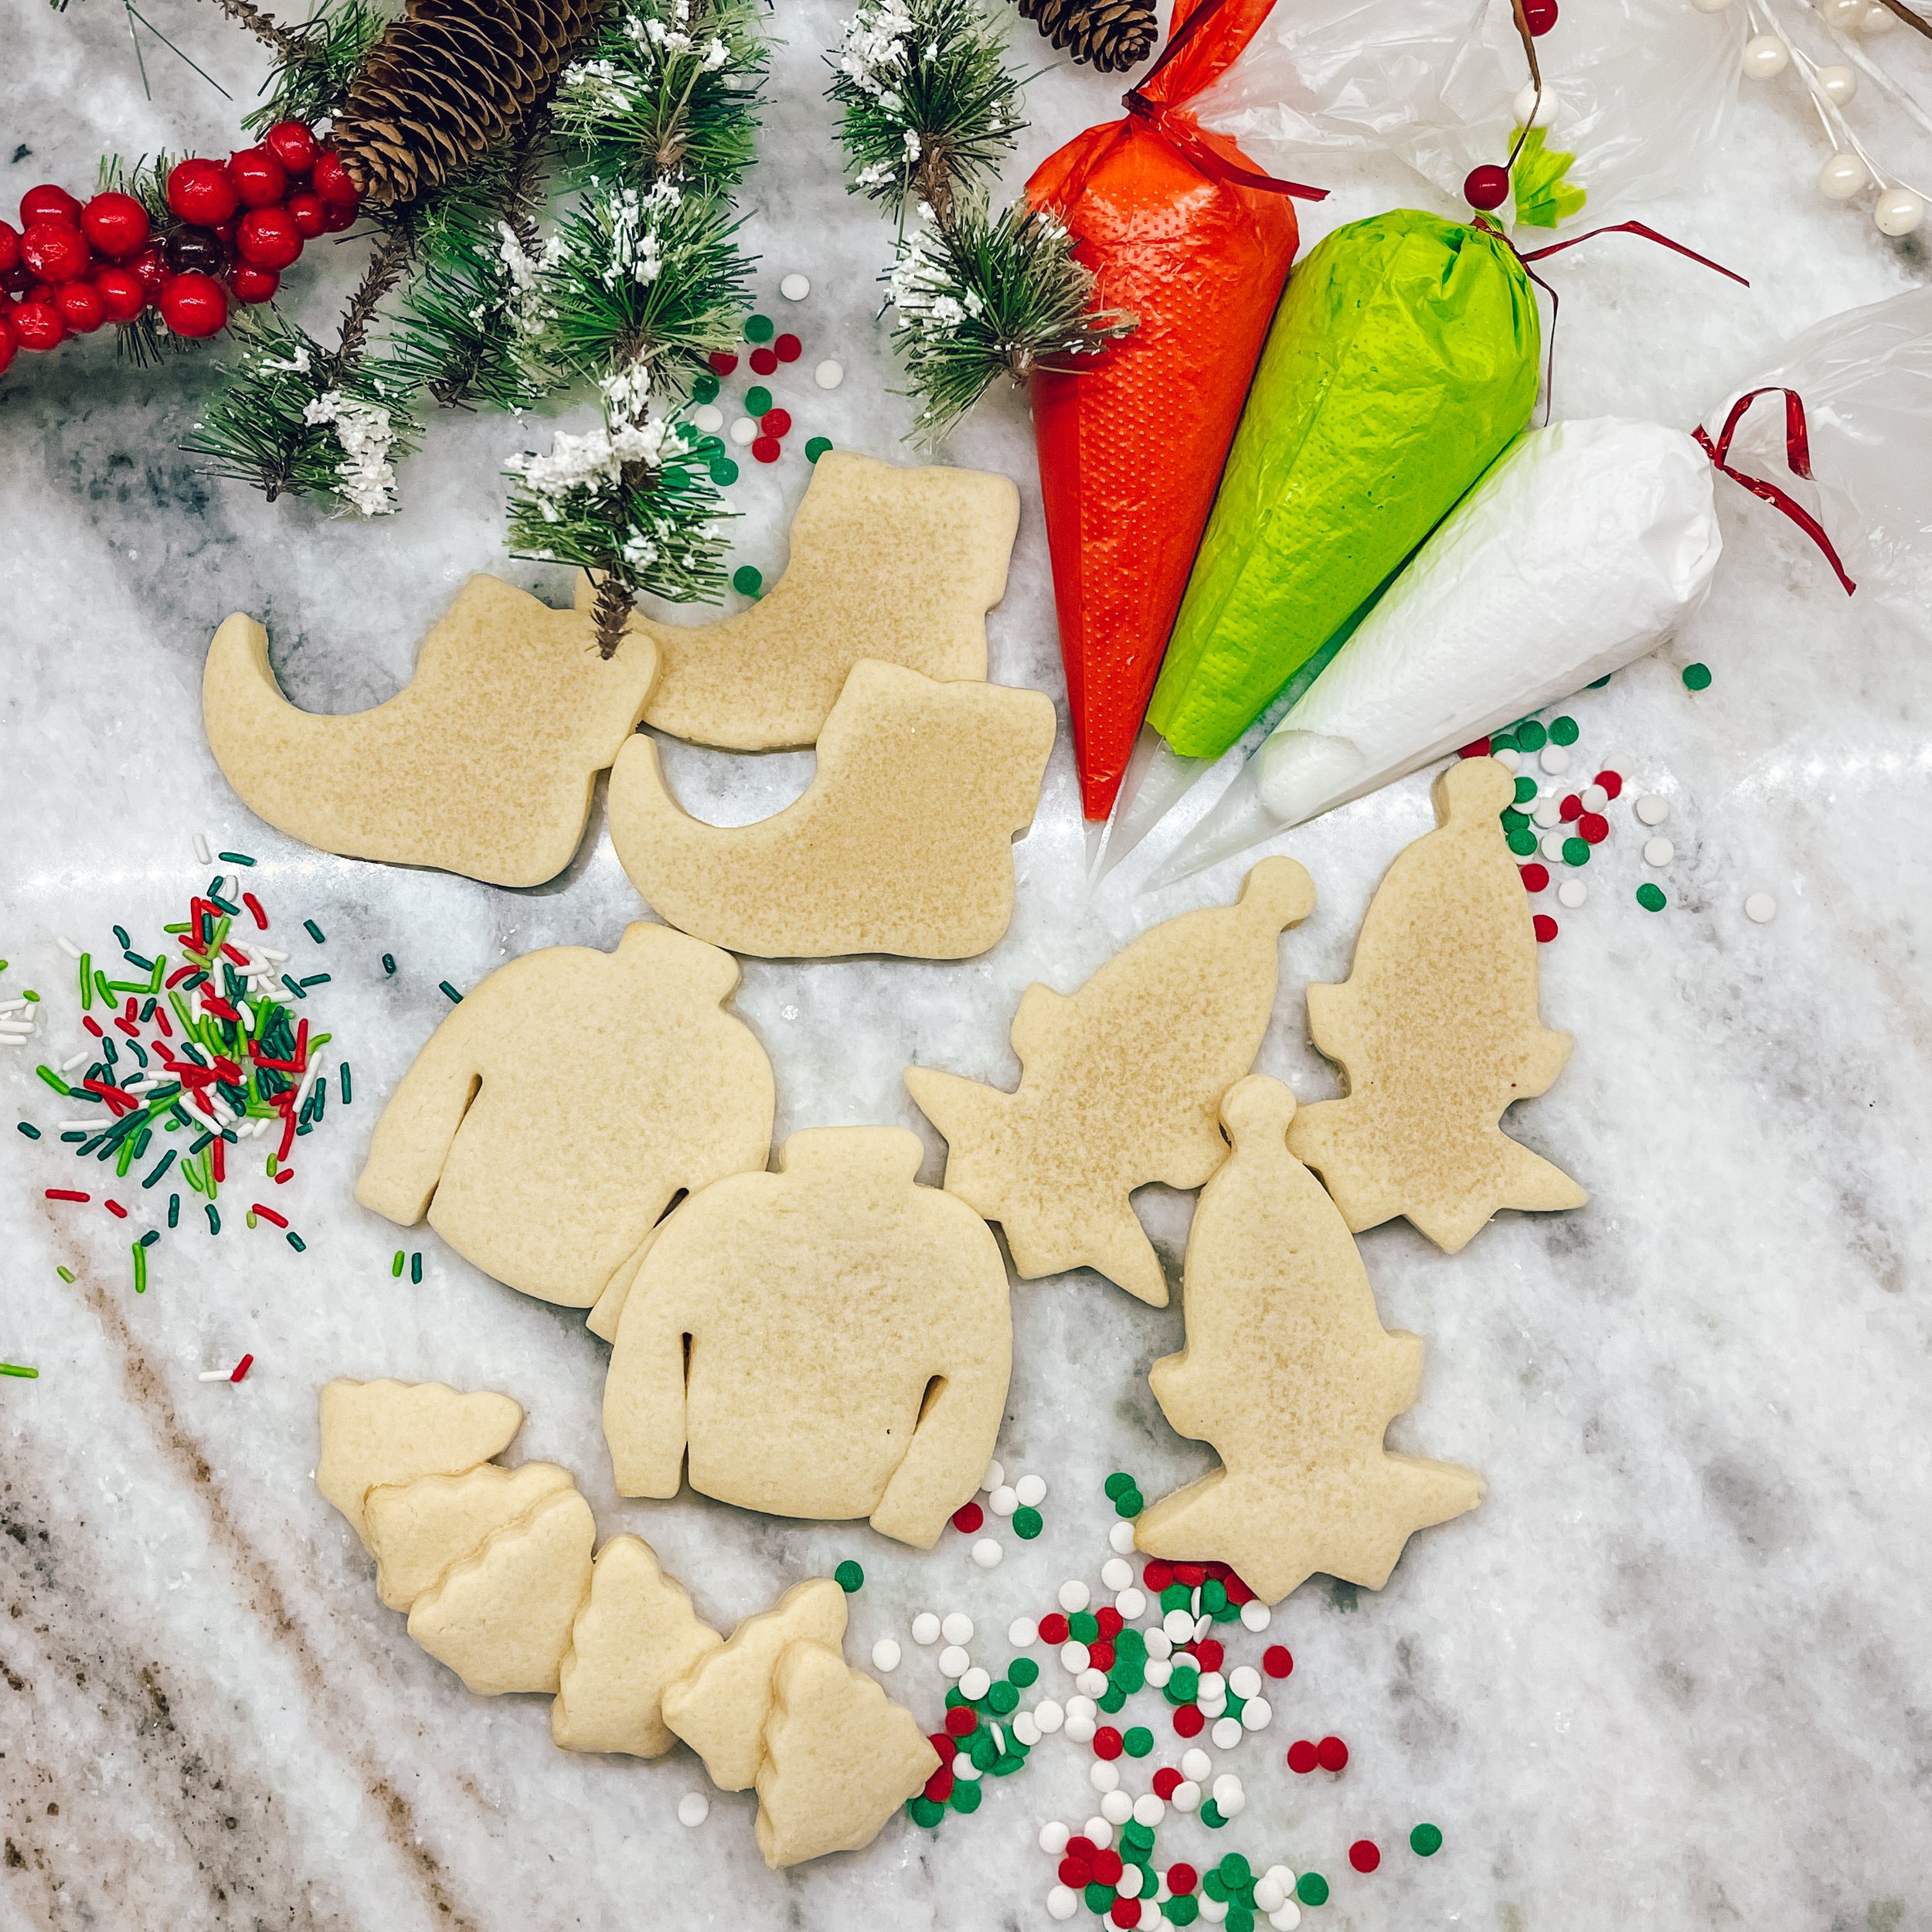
x: 1157, y: 780
x: 1239, y: 820
x: 1095, y: 830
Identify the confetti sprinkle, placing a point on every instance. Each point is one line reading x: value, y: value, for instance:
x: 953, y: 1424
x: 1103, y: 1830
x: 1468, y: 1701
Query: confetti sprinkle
x: 1760, y: 908
x: 794, y: 288
x: 1650, y: 897
x: 849, y: 1576
x: 748, y: 580
x: 1425, y: 1841
x: 1697, y: 677
x: 828, y: 374
x: 817, y: 447
x: 759, y: 328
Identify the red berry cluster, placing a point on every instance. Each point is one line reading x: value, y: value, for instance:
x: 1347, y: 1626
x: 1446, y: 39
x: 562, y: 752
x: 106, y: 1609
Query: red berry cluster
x: 1488, y: 186
x: 70, y: 267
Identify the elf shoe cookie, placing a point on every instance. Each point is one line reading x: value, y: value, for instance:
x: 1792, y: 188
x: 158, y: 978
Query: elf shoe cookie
x: 554, y: 1113
x: 1437, y: 1032
x: 417, y: 1530
x: 903, y: 843
x: 898, y: 565
x: 1289, y: 1373
x: 830, y: 1340
x: 1119, y: 1085
x: 636, y: 1633
x: 840, y: 1757
x: 483, y: 763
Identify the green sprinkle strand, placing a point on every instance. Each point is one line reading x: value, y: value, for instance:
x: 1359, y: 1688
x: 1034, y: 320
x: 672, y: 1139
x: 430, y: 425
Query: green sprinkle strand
x: 396, y: 1266
x: 54, y: 1079
x: 1426, y: 1840
x: 148, y: 1240
x: 214, y: 1217
x: 415, y: 1267
x: 314, y: 932
x: 389, y: 965
x: 449, y: 992
x: 160, y: 1168
x: 296, y: 1242
x: 344, y: 1071
x: 849, y: 1576
x: 21, y: 1369
x: 141, y: 1268
x: 28, y: 1128
x: 173, y: 1210
x: 234, y: 858
x: 66, y: 1274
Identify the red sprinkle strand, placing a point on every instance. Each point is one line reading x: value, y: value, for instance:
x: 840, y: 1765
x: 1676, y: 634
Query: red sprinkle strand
x: 242, y: 1368
x: 67, y: 1194
x: 255, y: 911
x: 116, y: 1210
x: 268, y: 1214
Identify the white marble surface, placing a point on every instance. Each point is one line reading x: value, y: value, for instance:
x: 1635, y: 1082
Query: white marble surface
x: 1672, y: 1672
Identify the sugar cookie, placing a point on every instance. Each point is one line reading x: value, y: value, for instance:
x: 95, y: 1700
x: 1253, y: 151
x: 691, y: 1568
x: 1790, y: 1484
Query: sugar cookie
x: 830, y: 1340
x: 719, y: 1708
x: 840, y: 1757
x: 902, y: 842
x: 899, y: 565
x: 636, y: 1633
x: 552, y: 1115
x: 483, y: 763
x: 417, y: 1530
x: 1119, y: 1086
x: 501, y: 1618
x: 1436, y: 1031
x: 1289, y: 1373
x: 392, y: 1432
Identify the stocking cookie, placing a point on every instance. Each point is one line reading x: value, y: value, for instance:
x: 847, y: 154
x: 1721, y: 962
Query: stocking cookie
x: 903, y: 843
x: 1119, y: 1087
x: 501, y: 1618
x: 719, y: 1707
x: 392, y: 1432
x: 829, y: 1341
x: 1438, y: 1031
x: 840, y: 1757
x: 636, y: 1633
x: 483, y: 763
x: 1290, y: 1374
x: 898, y: 565
x: 417, y: 1530
x: 553, y: 1115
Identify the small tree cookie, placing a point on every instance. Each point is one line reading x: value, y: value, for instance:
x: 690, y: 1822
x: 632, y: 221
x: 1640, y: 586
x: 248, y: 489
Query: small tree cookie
x: 1119, y: 1086
x: 1438, y: 1031
x: 830, y: 1340
x: 840, y: 1757
x: 551, y: 1118
x: 1290, y: 1374
x: 417, y: 1530
x: 903, y: 843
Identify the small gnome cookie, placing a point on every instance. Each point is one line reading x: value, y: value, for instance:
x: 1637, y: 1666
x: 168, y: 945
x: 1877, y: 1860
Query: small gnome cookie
x: 417, y: 1530
x: 830, y: 1340
x: 1119, y: 1086
x: 501, y: 1618
x: 719, y: 1707
x: 902, y: 842
x: 636, y: 1633
x: 392, y: 1432
x: 483, y: 763
x: 899, y: 565
x: 1438, y: 1031
x: 552, y: 1117
x: 840, y: 1757
x: 1290, y: 1374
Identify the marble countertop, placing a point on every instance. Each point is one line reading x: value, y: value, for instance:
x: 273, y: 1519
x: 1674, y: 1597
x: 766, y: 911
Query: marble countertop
x: 1673, y: 1672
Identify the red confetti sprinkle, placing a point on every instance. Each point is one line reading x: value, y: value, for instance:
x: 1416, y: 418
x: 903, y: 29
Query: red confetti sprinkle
x: 1303, y: 1757
x: 1100, y: 1653
x: 1080, y: 1848
x: 1166, y: 1781
x: 1476, y: 748
x: 1611, y: 781
x: 787, y: 348
x: 1333, y: 1753
x: 1188, y: 1720
x: 1592, y: 828
x: 766, y: 449
x: 1276, y: 1660
x: 776, y: 422
x: 116, y: 1210
x: 1124, y: 1911
x: 968, y: 1518
x: 943, y: 1744
x: 1535, y: 878
x: 723, y: 362
x: 763, y: 362
x: 939, y: 1786
x: 961, y: 1721
x: 1238, y: 1592
x: 1110, y: 1620
x: 1182, y: 1879
x: 1192, y: 1575
x: 1107, y: 1867
x: 1076, y: 1874
x: 1157, y: 1573
x: 1209, y: 1654
x: 1546, y: 928
x: 1365, y: 1855
x: 1571, y: 808
x: 67, y: 1194
x: 1053, y: 1627
x: 1107, y: 1742
x: 268, y: 1214
x: 242, y: 1368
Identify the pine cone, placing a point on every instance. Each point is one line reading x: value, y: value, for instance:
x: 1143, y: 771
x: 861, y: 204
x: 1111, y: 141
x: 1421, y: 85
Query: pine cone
x: 1110, y: 35
x: 447, y: 80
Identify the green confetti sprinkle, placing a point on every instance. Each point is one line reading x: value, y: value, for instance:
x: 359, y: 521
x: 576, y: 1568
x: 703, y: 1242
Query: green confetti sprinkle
x: 758, y: 399
x: 1576, y: 851
x: 1002, y: 1697
x: 1027, y: 1523
x: 924, y: 1811
x: 1084, y: 1625
x: 1530, y: 735
x: 1183, y: 1909
x: 966, y: 1795
x: 1117, y: 1484
x: 705, y: 388
x: 1522, y: 842
x: 1598, y: 684
x: 1525, y: 789
x: 1697, y: 677
x: 1111, y: 1699
x: 1425, y: 1841
x: 747, y: 580
x: 848, y: 1575
x: 1137, y: 1742
x: 760, y: 329
x: 1211, y: 1816
x: 1311, y: 1889
x: 724, y: 472
x: 1564, y: 730
x: 1023, y: 1671
x: 817, y: 447
x: 1131, y: 1504
x: 1502, y: 741
x: 1650, y: 897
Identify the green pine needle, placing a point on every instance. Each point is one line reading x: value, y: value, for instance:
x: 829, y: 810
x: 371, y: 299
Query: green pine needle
x: 332, y: 42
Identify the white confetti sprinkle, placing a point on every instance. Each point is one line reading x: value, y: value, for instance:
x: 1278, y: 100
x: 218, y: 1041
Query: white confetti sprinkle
x: 1117, y: 1807
x: 1759, y: 908
x: 957, y: 1628
x: 1547, y: 812
x: 795, y: 288
x: 1026, y: 1728
x: 1245, y: 1681
x: 1131, y: 1881
x: 1256, y: 1615
x: 1117, y: 1573
x: 1048, y: 1716
x: 995, y: 1478
x: 1257, y: 1713
x: 1149, y: 1808
x: 1022, y: 1633
x: 1098, y: 1833
x: 976, y: 1682
x: 885, y: 1655
x: 1091, y: 1682
x: 1061, y: 1903
x: 1592, y: 797
x: 744, y: 431
x: 964, y: 1767
x: 828, y: 374
x: 1555, y: 759
x: 1031, y: 1490
x: 1572, y: 892
x: 1130, y: 1604
x: 1158, y: 1643
x: 1658, y: 851
x: 1079, y: 1730
x: 708, y: 417
x: 1103, y: 1776
x: 953, y: 1661
x: 693, y: 1808
x: 1074, y: 1596
x: 1003, y: 1500
x: 1509, y: 759
x: 1551, y: 845
x: 1073, y: 1656
x: 1651, y: 810
x: 1158, y: 1671
x: 1187, y: 1795
x: 925, y: 1627
x: 987, y: 1552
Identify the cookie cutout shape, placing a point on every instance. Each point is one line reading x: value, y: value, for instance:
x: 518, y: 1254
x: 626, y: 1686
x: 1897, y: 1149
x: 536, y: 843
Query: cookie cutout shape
x: 840, y: 1757
x: 501, y: 1618
x: 830, y: 1340
x: 1289, y: 1373
x: 392, y: 1432
x: 902, y: 842
x: 719, y: 1709
x: 900, y: 565
x: 417, y: 1530
x: 553, y: 1116
x: 1119, y: 1085
x: 1438, y: 1031
x: 636, y: 1633
x: 483, y: 763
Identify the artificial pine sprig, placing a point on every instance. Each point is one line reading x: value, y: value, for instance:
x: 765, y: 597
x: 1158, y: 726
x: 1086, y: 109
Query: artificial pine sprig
x: 315, y: 61
x: 929, y: 110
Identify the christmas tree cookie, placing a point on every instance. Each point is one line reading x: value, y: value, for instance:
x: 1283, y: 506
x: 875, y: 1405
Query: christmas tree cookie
x: 903, y: 843
x: 830, y: 1340
x: 554, y: 1114
x: 1289, y: 1373
x: 1119, y: 1086
x: 482, y: 764
x: 417, y: 1530
x: 898, y: 565
x: 840, y: 1757
x: 636, y: 1633
x: 1437, y: 1030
